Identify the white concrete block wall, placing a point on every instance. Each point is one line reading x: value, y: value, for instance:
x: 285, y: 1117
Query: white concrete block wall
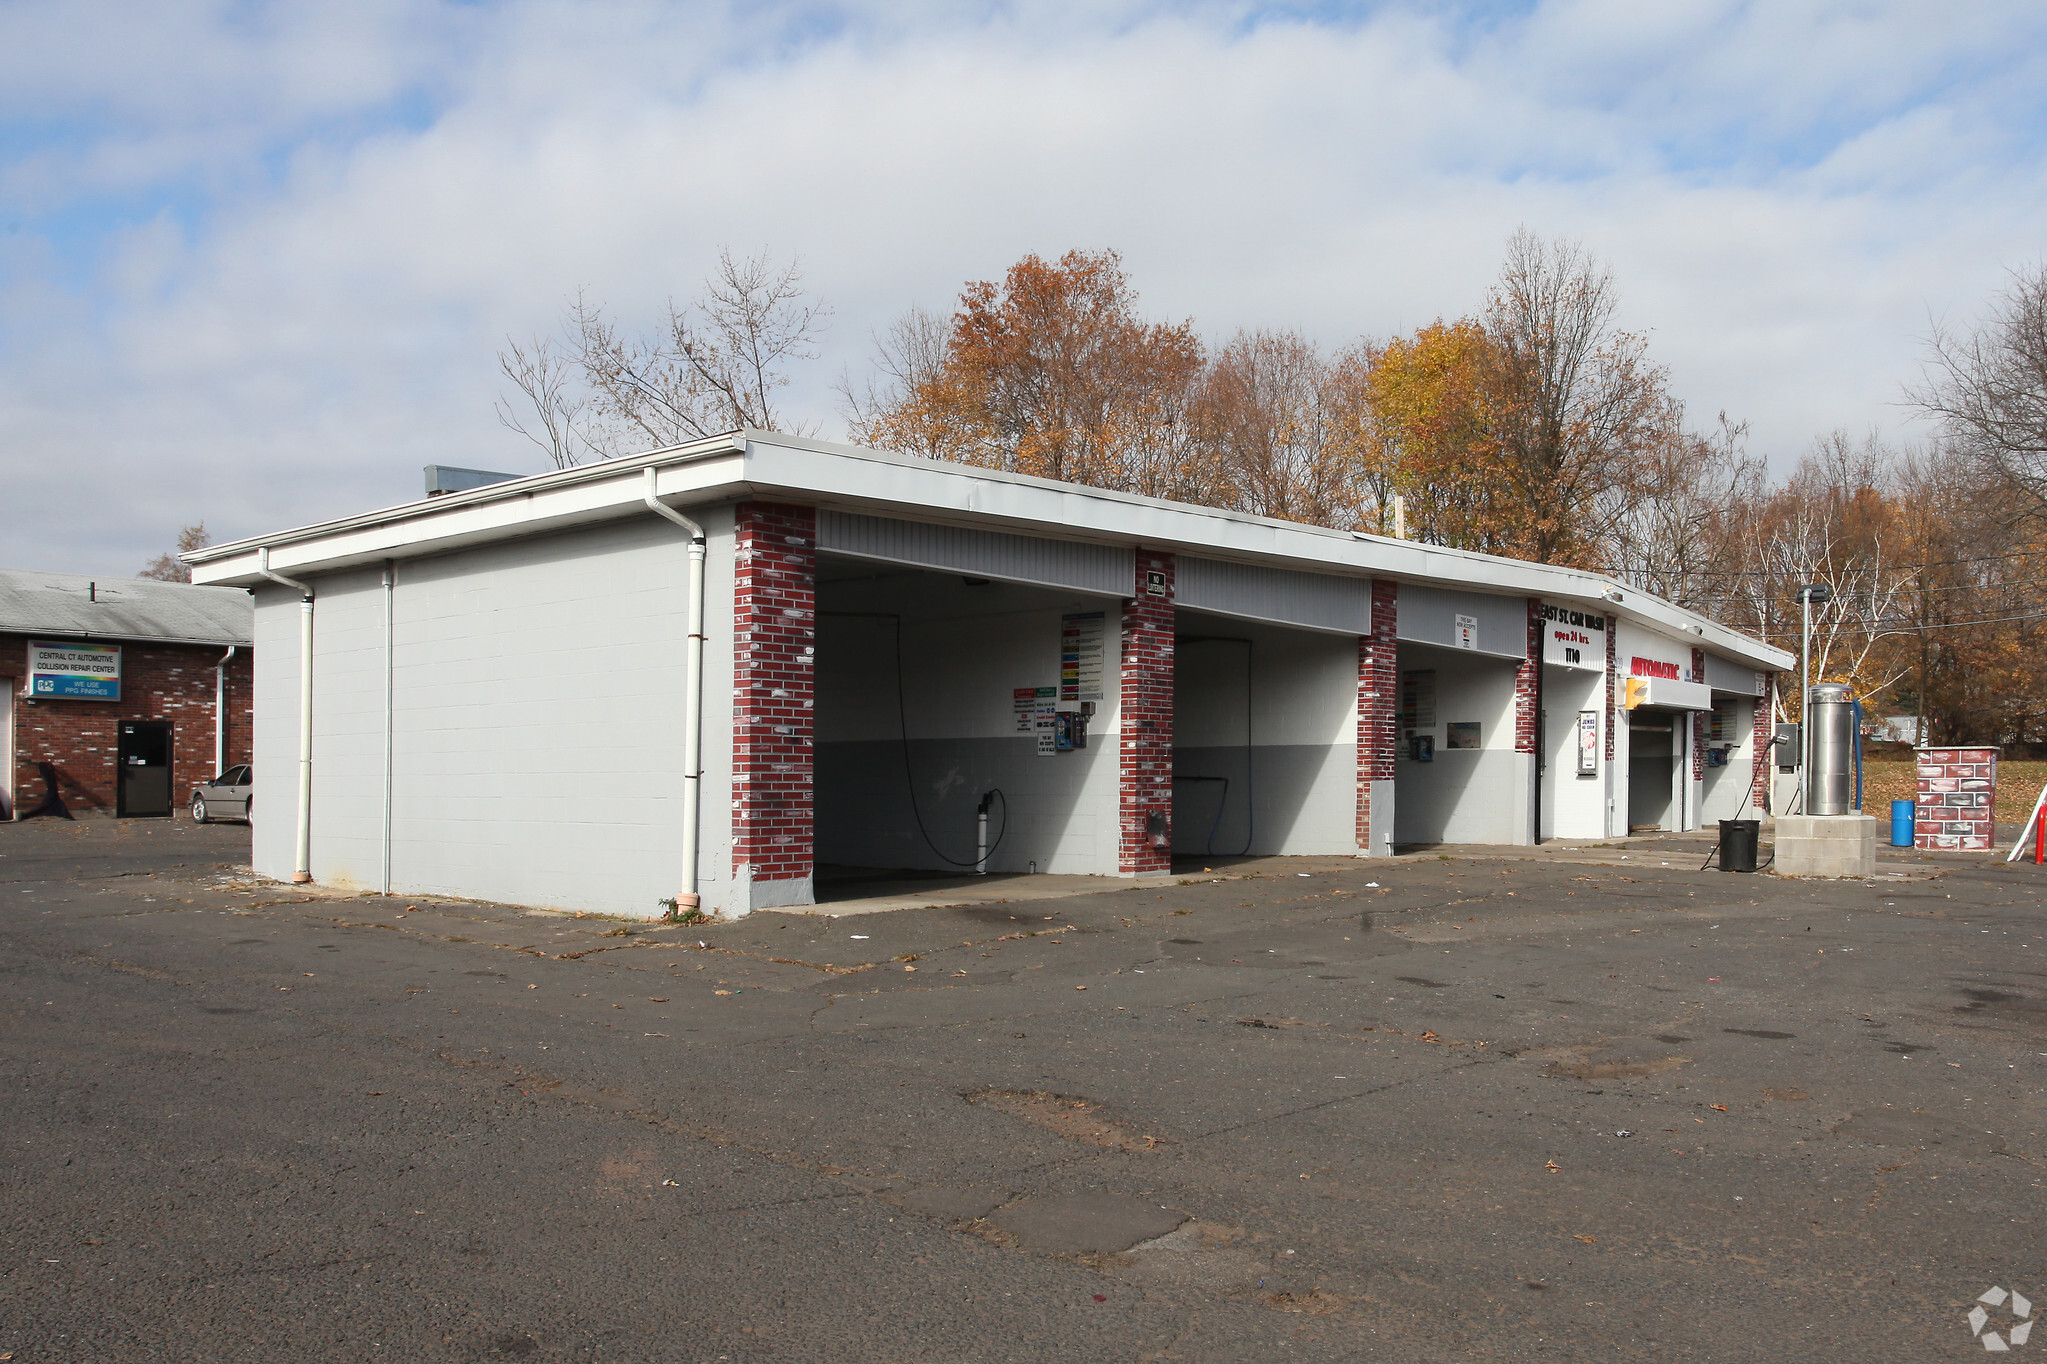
x: 536, y: 727
x: 1574, y: 805
x: 1302, y: 787
x: 1466, y: 795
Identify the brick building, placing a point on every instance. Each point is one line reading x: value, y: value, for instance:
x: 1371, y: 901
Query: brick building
x: 895, y: 651
x: 160, y: 686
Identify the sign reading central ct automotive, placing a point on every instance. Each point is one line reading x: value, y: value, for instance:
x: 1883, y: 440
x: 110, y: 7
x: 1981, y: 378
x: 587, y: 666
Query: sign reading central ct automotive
x: 1572, y: 638
x: 79, y: 672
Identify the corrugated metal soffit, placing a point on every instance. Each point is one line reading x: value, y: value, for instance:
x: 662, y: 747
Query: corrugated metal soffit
x: 1108, y: 569
x: 1441, y: 616
x: 1315, y: 601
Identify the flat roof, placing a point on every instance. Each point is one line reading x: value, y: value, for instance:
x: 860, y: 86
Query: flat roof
x: 825, y: 474
x: 133, y: 609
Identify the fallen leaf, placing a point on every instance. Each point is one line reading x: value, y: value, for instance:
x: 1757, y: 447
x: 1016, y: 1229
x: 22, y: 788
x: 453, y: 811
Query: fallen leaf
x: 1588, y: 1240
x: 1552, y: 1167
x: 1718, y: 1108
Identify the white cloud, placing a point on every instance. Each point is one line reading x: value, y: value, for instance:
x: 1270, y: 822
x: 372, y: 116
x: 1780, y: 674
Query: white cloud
x: 321, y: 231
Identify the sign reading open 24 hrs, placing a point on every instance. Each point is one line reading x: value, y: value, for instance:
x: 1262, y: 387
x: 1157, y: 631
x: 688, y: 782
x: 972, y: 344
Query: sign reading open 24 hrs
x: 80, y: 672
x: 1573, y: 638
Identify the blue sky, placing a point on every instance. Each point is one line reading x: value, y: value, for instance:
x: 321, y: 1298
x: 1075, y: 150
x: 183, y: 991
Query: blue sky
x: 256, y: 259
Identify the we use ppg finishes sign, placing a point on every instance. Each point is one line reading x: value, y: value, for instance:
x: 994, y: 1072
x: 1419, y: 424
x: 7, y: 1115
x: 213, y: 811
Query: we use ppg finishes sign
x: 78, y: 672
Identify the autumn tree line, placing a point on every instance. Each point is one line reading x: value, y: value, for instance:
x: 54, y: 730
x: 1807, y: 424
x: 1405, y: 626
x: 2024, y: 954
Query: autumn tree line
x: 1536, y: 428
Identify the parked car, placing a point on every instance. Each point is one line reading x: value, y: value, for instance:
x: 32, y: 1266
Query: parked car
x: 224, y: 797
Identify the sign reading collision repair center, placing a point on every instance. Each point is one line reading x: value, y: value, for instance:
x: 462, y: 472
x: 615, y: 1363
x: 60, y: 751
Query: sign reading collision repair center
x: 79, y: 672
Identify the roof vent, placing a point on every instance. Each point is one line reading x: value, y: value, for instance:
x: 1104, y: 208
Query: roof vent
x: 440, y: 479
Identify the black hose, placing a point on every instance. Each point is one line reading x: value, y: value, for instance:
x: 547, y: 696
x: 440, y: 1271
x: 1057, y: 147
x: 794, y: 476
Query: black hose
x: 909, y: 777
x: 1216, y: 823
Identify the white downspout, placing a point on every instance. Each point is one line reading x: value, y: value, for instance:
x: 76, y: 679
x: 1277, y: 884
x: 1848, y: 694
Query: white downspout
x: 390, y: 695
x: 688, y: 897
x: 303, y: 868
x: 220, y: 711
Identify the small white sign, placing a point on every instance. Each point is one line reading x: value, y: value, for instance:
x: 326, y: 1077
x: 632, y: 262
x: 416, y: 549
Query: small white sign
x: 1588, y: 742
x: 1467, y: 632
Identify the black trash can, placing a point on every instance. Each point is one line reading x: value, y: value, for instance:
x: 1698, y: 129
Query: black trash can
x: 1738, y: 844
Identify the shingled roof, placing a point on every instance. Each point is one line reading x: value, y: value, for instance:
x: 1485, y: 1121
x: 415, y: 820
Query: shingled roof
x: 139, y: 609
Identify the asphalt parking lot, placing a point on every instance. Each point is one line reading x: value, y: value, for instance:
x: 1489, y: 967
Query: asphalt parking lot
x: 1457, y: 1108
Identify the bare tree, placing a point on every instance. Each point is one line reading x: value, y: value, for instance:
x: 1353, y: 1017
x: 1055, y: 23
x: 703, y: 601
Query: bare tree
x: 551, y: 385
x: 713, y: 365
x: 909, y: 355
x: 1989, y: 388
x: 1573, y: 399
x: 165, y: 568
x: 1681, y: 541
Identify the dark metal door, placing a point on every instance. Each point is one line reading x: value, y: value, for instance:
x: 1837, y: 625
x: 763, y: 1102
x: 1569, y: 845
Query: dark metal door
x: 144, y: 758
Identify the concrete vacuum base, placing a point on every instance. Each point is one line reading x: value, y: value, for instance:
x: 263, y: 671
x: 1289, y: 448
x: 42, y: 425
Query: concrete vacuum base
x: 1826, y: 845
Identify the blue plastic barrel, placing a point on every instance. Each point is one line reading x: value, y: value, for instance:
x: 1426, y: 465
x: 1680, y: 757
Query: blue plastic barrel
x: 1904, y: 816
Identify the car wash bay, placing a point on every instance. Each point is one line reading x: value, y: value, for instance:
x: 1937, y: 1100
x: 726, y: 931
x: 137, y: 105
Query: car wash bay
x: 937, y: 691
x: 1264, y: 738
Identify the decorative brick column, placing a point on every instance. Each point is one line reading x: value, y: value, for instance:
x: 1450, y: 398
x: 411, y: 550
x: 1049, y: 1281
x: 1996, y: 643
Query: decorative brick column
x: 774, y: 637
x: 1527, y: 683
x: 1378, y: 710
x: 1613, y: 631
x: 1699, y: 719
x: 1762, y: 757
x: 1957, y: 808
x: 1145, y: 721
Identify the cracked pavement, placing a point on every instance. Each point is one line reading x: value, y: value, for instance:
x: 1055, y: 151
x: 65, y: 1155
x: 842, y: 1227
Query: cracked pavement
x: 1427, y: 1109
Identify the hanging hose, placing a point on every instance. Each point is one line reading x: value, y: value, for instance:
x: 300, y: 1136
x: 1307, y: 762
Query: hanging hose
x: 1250, y: 780
x: 910, y: 780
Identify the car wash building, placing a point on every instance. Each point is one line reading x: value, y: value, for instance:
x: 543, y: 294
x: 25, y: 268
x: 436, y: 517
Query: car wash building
x: 117, y: 694
x: 740, y: 667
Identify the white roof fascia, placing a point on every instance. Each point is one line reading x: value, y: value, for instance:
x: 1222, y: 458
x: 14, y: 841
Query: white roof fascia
x: 530, y: 506
x: 869, y: 480
x: 879, y: 482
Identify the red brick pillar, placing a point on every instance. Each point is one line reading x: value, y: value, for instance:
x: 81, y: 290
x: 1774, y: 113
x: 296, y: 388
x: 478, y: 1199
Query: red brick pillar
x: 1699, y: 719
x: 1527, y: 682
x: 774, y: 617
x: 1378, y: 710
x: 1145, y: 721
x: 1613, y: 629
x: 1762, y: 757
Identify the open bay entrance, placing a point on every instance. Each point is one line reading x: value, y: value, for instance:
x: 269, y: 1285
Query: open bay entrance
x: 937, y: 692
x: 1264, y: 739
x: 1655, y: 744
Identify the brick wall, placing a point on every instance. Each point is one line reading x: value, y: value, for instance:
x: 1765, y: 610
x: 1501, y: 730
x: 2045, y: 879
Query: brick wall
x: 1378, y: 702
x: 774, y: 639
x: 1700, y: 719
x: 1527, y: 682
x: 1762, y: 757
x: 171, y: 682
x: 1957, y: 799
x: 1613, y: 630
x: 1145, y: 740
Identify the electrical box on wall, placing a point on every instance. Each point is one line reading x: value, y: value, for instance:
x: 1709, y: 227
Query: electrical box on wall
x: 1786, y: 742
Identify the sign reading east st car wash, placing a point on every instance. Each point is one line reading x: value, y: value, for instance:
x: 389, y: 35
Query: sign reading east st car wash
x: 78, y: 672
x: 1573, y: 638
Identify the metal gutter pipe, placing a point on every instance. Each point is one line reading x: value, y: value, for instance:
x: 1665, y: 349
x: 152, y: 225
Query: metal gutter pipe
x: 302, y: 871
x: 220, y: 711
x: 390, y: 700
x: 688, y: 897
